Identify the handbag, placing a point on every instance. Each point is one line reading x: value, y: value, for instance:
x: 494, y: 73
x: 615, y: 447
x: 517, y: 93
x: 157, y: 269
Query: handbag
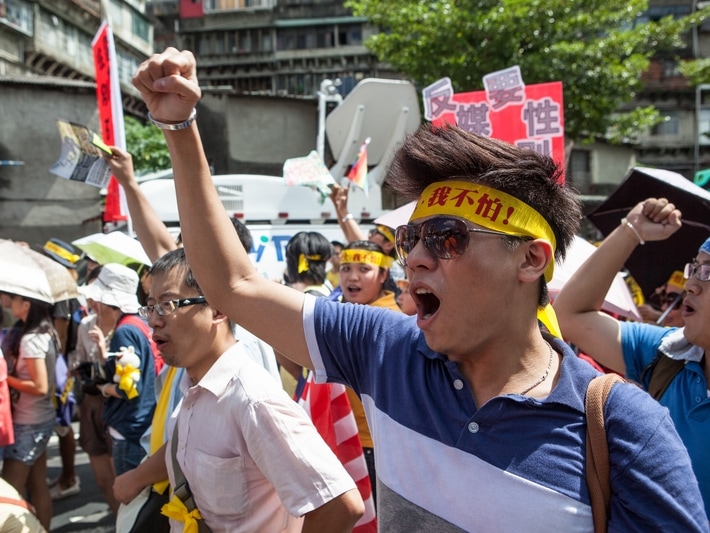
x: 142, y: 513
x: 91, y: 374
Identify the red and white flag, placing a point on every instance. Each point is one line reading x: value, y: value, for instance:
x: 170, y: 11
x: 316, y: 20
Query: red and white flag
x: 108, y: 96
x: 329, y: 408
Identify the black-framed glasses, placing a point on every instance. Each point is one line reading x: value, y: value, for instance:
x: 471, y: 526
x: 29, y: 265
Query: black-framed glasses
x: 443, y: 237
x: 169, y: 306
x: 701, y: 272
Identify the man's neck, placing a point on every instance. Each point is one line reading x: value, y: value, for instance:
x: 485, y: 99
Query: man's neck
x: 197, y: 371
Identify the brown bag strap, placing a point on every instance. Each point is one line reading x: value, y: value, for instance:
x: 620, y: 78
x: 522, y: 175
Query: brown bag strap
x: 597, y: 468
x: 662, y: 371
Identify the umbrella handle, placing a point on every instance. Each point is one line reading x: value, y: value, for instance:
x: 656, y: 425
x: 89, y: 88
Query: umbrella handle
x: 670, y: 308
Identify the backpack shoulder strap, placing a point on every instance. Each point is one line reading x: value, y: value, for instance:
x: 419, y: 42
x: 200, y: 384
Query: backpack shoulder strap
x: 661, y: 370
x: 597, y: 466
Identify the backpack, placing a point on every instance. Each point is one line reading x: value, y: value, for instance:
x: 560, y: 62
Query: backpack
x: 660, y: 372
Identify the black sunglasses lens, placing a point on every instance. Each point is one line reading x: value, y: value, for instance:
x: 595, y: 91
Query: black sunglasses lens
x: 445, y: 238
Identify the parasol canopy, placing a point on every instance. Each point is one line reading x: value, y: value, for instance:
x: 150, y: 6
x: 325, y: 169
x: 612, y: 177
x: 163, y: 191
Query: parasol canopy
x: 34, y: 275
x: 652, y: 263
x: 397, y: 217
x: 114, y: 247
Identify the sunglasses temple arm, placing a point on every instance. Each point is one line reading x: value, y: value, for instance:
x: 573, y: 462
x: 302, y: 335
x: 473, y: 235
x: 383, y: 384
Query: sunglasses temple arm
x: 670, y: 308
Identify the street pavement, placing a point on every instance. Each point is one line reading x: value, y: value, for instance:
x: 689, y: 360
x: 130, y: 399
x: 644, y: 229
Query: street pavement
x: 87, y: 511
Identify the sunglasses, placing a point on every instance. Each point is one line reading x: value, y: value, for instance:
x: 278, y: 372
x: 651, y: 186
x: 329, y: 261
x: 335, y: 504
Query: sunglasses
x: 443, y: 237
x: 669, y: 298
x: 698, y: 271
x: 168, y: 307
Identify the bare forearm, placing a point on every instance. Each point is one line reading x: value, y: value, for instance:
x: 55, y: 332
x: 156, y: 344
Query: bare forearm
x: 338, y: 515
x: 27, y: 386
x: 586, y: 290
x: 352, y: 231
x: 150, y: 230
x: 152, y: 470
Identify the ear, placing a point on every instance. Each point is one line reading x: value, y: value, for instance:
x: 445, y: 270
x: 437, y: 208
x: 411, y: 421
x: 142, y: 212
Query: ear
x: 382, y: 276
x: 218, y: 316
x: 538, y: 254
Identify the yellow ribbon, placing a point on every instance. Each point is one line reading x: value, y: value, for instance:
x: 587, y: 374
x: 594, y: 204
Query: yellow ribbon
x: 160, y: 418
x: 125, y: 381
x: 176, y: 510
x: 303, y: 262
x: 547, y: 316
x: 68, y: 387
x: 487, y: 207
x: 366, y: 256
x: 61, y: 252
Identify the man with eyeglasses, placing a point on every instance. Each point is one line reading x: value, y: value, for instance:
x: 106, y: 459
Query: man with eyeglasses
x: 629, y: 347
x: 129, y: 409
x: 250, y: 454
x: 477, y: 415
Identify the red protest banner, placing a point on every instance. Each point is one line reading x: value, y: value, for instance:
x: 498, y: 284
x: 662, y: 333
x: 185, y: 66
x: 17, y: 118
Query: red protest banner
x: 530, y: 116
x: 108, y: 96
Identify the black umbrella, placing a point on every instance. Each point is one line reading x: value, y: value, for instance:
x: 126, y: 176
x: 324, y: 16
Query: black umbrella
x: 652, y: 264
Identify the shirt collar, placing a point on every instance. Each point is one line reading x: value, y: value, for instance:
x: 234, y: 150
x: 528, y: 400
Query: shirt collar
x: 220, y: 373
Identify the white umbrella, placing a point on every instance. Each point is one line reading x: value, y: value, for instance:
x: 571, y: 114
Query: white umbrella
x: 618, y: 300
x: 34, y: 275
x: 114, y: 247
x: 397, y: 217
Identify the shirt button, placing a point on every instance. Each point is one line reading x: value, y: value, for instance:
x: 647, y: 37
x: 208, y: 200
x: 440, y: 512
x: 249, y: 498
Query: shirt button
x: 698, y: 399
x: 458, y: 384
x: 473, y: 427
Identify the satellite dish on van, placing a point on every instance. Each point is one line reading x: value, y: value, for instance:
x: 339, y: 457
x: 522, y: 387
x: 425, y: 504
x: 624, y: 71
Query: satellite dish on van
x: 386, y: 111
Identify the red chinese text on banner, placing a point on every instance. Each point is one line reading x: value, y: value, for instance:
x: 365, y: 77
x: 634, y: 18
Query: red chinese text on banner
x: 108, y: 96
x: 529, y: 116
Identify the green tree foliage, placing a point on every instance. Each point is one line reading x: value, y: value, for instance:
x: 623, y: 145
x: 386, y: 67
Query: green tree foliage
x: 597, y: 48
x: 147, y: 146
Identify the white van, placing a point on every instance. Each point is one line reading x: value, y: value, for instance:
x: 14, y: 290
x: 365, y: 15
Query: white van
x: 273, y: 211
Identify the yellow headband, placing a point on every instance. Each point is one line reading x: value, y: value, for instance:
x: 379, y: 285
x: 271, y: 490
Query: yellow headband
x: 366, y: 256
x: 303, y: 262
x: 61, y: 252
x: 487, y: 207
x: 385, y: 231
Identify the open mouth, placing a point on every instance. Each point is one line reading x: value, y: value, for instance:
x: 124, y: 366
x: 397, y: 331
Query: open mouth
x: 687, y: 309
x: 427, y: 302
x: 159, y: 342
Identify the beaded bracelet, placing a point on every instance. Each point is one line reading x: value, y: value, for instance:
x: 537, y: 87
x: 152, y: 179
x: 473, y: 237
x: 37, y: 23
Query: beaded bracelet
x: 174, y: 127
x: 632, y: 228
